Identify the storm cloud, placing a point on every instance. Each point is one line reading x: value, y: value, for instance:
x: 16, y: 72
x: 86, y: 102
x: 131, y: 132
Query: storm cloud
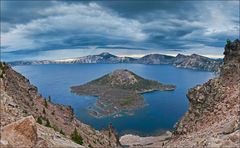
x: 140, y: 27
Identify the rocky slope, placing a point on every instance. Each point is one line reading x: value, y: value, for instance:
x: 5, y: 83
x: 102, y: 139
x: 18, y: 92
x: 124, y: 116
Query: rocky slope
x: 118, y: 91
x: 156, y: 59
x: 208, y: 97
x: 193, y: 61
x: 212, y: 119
x: 125, y: 79
x: 214, y: 106
x: 20, y: 99
x: 198, y: 62
x: 28, y: 133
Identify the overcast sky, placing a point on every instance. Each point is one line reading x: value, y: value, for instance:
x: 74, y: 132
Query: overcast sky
x: 64, y: 29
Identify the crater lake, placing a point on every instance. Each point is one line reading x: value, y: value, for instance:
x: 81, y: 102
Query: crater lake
x: 163, y: 109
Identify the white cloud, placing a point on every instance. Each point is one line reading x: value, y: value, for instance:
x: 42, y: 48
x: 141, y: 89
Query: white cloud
x: 218, y: 18
x: 68, y: 19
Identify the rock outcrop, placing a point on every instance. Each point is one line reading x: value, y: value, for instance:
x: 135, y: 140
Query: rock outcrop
x: 20, y: 133
x: 20, y: 99
x: 137, y: 141
x: 26, y: 132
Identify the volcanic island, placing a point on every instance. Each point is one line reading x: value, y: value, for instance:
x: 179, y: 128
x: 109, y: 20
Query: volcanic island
x: 118, y: 91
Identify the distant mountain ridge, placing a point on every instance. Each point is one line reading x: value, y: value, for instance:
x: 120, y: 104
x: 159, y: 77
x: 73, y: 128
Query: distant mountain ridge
x: 193, y: 61
x: 197, y: 62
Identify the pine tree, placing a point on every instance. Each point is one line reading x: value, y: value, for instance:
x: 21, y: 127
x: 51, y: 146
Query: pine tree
x: 48, y: 123
x: 45, y: 103
x: 44, y: 112
x: 76, y: 137
x: 49, y: 99
x: 61, y: 132
x: 228, y: 42
x: 39, y: 120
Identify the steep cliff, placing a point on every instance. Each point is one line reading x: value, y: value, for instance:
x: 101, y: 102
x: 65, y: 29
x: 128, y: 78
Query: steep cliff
x: 20, y: 99
x: 213, y: 117
x: 213, y: 114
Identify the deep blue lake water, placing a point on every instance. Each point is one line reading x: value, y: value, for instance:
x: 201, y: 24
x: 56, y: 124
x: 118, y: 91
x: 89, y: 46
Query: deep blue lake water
x: 164, y: 108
